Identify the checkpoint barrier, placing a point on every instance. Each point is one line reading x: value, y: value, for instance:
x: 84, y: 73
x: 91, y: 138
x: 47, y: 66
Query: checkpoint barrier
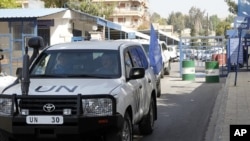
x: 222, y: 59
x: 214, y: 57
x: 212, y: 71
x: 188, y: 70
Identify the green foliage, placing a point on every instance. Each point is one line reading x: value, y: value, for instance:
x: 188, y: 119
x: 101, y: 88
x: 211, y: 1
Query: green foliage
x: 144, y: 26
x: 55, y: 3
x: 97, y: 9
x: 197, y: 20
x: 232, y: 6
x: 9, y: 4
x: 177, y: 20
x: 222, y: 27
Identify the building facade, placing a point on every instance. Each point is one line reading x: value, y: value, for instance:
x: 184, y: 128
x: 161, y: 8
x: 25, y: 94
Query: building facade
x: 128, y: 13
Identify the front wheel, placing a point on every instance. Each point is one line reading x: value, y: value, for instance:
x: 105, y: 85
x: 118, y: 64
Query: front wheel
x: 125, y: 134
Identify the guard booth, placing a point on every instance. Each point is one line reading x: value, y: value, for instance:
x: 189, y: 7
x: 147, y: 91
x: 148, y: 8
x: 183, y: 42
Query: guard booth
x: 201, y: 50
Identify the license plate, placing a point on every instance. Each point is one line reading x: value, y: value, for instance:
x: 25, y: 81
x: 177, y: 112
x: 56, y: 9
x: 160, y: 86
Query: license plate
x: 44, y: 119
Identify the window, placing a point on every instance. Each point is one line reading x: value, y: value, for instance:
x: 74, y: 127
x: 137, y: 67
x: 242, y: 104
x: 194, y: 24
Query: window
x: 121, y: 20
x: 121, y: 5
x: 128, y: 63
x: 164, y: 47
x: 143, y: 58
x: 139, y: 58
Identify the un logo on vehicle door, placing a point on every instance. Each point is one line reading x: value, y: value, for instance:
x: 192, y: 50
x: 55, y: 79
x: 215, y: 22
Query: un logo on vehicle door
x: 49, y: 107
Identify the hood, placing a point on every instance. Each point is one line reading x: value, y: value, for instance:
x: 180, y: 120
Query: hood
x: 5, y: 81
x: 67, y: 86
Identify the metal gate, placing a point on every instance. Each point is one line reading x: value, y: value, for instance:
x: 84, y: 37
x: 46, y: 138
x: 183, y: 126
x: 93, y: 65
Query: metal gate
x: 6, y: 47
x: 203, y: 49
x: 13, y: 52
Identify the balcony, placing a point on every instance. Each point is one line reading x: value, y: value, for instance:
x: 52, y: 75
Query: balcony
x: 133, y: 11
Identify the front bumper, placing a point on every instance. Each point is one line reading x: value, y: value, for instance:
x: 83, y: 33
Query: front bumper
x: 76, y: 124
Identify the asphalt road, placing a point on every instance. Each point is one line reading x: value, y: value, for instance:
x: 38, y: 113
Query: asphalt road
x: 184, y: 108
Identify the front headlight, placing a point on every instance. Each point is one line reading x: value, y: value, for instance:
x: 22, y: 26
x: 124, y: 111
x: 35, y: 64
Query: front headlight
x: 97, y: 107
x: 5, y: 106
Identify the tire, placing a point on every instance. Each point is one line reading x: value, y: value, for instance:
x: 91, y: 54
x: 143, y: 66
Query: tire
x: 167, y: 70
x: 4, y: 136
x: 159, y: 89
x: 146, y: 126
x: 125, y: 134
x: 162, y: 72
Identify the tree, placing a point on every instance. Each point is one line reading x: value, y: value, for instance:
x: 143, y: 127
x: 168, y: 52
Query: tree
x: 156, y: 18
x: 214, y: 21
x: 177, y: 20
x: 55, y: 3
x: 9, y: 4
x: 232, y: 6
x: 222, y: 27
x: 196, y: 17
x: 144, y: 25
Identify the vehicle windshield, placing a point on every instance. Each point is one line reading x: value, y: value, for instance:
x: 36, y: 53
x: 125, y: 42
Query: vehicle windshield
x: 77, y: 63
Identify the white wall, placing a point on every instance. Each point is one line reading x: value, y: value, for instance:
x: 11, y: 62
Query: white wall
x: 61, y: 32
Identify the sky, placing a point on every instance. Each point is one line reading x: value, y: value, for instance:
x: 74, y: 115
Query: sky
x: 165, y: 7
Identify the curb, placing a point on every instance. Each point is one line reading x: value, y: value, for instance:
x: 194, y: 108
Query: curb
x: 216, y: 122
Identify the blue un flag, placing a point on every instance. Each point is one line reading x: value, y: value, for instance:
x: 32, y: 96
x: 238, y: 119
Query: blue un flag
x: 155, y: 56
x: 243, y: 8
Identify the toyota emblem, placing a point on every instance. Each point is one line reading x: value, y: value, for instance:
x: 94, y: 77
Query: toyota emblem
x: 49, y: 107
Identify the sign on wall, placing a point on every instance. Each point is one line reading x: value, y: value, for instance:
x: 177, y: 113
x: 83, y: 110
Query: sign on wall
x: 234, y: 45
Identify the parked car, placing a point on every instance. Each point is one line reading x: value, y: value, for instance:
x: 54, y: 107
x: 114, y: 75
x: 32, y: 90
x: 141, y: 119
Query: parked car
x: 207, y: 56
x: 199, y: 54
x: 173, y: 53
x: 80, y: 101
x: 188, y: 54
x: 166, y: 58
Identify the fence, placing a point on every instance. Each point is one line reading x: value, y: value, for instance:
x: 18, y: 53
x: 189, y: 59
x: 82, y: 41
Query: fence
x: 203, y: 49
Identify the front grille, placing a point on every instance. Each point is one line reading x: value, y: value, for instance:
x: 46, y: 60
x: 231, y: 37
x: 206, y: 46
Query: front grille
x: 35, y: 106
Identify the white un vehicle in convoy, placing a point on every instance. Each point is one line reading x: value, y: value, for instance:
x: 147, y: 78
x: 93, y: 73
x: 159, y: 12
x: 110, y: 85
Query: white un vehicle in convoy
x: 80, y: 99
x: 166, y: 60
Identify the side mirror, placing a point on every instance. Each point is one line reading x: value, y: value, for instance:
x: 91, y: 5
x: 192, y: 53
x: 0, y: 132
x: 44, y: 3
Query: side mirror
x: 36, y: 43
x: 137, y: 73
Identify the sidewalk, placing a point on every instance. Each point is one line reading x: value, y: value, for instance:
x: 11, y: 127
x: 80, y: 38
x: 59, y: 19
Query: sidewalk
x: 232, y: 107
